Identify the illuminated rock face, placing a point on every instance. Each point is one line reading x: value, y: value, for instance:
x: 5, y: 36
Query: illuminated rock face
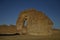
x: 34, y: 22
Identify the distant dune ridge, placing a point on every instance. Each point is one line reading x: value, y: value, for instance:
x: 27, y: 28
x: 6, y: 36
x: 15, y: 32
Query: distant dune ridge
x: 5, y: 29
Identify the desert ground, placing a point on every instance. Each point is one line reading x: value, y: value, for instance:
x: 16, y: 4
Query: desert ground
x: 12, y: 36
x: 55, y: 36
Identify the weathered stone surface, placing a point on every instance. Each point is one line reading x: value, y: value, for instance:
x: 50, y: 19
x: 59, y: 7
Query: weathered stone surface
x: 37, y: 23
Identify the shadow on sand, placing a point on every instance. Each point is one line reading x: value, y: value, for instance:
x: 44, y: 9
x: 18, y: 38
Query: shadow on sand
x: 9, y: 34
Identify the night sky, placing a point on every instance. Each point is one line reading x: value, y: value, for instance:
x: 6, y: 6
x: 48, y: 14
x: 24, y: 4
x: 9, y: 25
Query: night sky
x: 10, y: 9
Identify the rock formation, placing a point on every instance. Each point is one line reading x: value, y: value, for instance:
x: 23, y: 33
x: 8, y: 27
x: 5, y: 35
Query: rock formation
x: 34, y: 22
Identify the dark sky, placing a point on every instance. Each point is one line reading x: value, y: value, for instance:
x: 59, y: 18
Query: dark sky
x: 9, y: 10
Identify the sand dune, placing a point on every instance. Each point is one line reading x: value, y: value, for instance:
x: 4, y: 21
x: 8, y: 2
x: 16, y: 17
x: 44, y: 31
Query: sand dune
x: 7, y: 30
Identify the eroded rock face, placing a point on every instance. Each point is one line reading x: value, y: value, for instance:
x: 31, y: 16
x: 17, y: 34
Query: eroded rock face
x: 37, y: 23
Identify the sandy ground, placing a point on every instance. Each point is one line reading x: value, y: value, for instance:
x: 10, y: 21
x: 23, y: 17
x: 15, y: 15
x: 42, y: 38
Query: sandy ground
x: 28, y: 38
x: 55, y: 36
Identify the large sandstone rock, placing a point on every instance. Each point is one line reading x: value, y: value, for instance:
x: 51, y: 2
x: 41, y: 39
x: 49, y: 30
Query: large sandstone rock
x: 37, y: 23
